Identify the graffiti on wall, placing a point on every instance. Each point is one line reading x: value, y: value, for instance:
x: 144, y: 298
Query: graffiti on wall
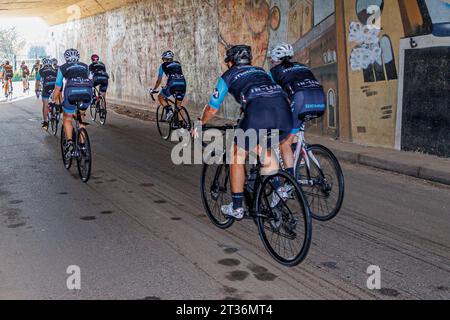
x: 367, y: 50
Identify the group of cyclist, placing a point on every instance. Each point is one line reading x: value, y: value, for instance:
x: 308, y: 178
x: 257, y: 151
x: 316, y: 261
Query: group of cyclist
x: 61, y: 84
x: 279, y: 100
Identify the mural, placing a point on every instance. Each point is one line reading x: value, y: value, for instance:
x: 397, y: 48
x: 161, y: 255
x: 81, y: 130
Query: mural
x: 367, y: 50
x: 249, y: 22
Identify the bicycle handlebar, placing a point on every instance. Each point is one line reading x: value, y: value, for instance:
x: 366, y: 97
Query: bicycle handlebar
x: 152, y: 92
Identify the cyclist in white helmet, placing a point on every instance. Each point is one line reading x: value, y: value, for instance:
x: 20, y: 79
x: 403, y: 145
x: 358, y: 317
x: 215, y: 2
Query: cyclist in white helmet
x: 78, y: 86
x: 308, y: 100
x: 176, y: 83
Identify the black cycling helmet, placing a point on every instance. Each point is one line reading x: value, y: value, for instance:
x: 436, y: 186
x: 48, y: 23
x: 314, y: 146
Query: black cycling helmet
x: 240, y: 54
x: 168, y: 55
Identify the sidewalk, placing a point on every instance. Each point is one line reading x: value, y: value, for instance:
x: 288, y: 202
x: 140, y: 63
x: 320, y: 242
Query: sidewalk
x: 413, y: 164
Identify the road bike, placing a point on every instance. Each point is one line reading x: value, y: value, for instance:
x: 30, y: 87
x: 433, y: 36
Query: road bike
x: 285, y: 227
x: 179, y: 119
x: 98, y: 107
x: 81, y: 150
x: 320, y: 175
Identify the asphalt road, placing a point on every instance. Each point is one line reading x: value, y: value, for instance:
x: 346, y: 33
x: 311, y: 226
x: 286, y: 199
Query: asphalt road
x: 137, y: 230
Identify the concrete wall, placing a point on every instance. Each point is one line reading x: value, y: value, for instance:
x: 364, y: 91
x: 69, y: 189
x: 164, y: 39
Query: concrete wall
x: 131, y: 39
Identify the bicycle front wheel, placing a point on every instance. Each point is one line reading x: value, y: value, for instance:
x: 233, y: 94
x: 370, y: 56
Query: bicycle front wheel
x: 164, y: 127
x: 216, y: 191
x: 322, y: 181
x: 84, y: 159
x: 284, y: 224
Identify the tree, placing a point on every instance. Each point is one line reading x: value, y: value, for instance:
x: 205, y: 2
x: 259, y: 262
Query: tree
x: 10, y: 43
x: 36, y: 52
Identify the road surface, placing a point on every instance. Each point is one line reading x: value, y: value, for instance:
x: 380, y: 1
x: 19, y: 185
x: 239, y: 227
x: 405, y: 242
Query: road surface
x: 137, y: 230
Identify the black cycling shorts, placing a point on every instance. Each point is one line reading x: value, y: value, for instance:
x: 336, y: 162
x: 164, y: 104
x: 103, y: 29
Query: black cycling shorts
x: 103, y: 83
x: 263, y: 115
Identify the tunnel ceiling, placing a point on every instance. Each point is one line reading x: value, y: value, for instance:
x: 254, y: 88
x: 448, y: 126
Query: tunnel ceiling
x: 58, y: 11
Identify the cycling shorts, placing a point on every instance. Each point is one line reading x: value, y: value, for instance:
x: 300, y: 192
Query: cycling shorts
x: 102, y: 82
x: 177, y: 87
x: 85, y: 95
x: 47, y: 90
x: 306, y: 105
x: 272, y: 114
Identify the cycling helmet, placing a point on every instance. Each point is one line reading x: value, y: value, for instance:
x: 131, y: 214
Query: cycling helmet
x: 72, y: 55
x: 240, y: 54
x: 46, y: 62
x: 281, y: 52
x: 95, y: 57
x: 168, y: 55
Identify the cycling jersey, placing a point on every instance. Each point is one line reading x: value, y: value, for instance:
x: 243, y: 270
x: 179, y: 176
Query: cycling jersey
x: 78, y: 87
x: 100, y: 76
x: 176, y: 83
x: 47, y: 75
x: 266, y: 105
x: 25, y: 71
x: 307, y: 98
x: 294, y: 77
x: 8, y: 72
x: 245, y: 83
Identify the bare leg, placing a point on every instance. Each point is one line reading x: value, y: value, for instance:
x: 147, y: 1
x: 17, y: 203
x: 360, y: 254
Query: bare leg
x: 45, y: 110
x: 286, y: 151
x: 68, y: 127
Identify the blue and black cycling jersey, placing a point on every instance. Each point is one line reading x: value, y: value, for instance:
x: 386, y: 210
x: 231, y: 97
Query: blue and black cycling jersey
x: 293, y: 77
x: 245, y: 83
x: 47, y: 75
x: 172, y: 70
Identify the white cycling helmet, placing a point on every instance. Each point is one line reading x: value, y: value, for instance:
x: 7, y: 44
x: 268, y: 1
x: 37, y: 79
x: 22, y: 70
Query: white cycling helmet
x: 282, y: 51
x: 169, y: 55
x: 72, y: 55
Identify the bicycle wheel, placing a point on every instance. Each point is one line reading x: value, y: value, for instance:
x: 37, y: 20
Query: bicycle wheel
x: 216, y: 191
x: 102, y: 110
x: 53, y: 121
x: 183, y: 120
x: 84, y: 158
x: 66, y: 158
x: 285, y: 227
x: 164, y: 127
x: 323, y: 183
x: 93, y: 111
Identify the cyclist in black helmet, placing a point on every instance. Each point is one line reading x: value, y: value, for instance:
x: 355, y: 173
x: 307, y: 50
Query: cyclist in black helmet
x: 265, y: 108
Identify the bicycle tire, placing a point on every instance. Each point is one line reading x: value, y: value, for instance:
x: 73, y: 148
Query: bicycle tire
x: 84, y: 159
x: 183, y: 119
x: 160, y: 121
x: 262, y: 220
x: 315, y: 192
x: 93, y: 111
x: 216, y: 191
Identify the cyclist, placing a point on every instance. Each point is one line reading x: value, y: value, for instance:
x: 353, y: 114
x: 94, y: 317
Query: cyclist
x: 2, y: 70
x: 77, y: 85
x: 99, y: 75
x: 305, y: 93
x: 175, y: 82
x: 36, y: 67
x: 45, y: 80
x: 265, y: 107
x: 25, y: 75
x: 8, y: 74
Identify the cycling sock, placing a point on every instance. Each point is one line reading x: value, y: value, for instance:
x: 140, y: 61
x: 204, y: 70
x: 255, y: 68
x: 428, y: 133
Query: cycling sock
x: 290, y: 171
x: 237, y: 200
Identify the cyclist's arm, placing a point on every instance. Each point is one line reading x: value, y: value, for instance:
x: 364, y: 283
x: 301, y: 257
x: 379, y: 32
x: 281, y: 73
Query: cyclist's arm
x: 160, y: 76
x: 58, y: 86
x: 215, y: 102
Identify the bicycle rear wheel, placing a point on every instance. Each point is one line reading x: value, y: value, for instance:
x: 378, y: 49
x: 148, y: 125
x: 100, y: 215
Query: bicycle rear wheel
x: 54, y: 121
x: 84, y: 159
x: 164, y: 127
x: 66, y: 158
x: 323, y: 183
x: 93, y: 111
x: 285, y: 227
x: 216, y: 191
x: 102, y: 112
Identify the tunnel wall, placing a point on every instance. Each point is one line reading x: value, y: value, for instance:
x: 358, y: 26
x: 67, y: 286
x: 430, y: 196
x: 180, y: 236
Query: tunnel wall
x: 131, y: 39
